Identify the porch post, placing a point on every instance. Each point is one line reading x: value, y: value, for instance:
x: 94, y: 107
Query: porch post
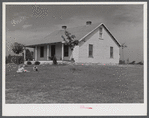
x: 47, y: 52
x: 35, y: 53
x: 24, y: 54
x: 62, y: 50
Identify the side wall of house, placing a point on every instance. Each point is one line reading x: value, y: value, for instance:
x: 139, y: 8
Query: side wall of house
x: 76, y: 53
x: 101, y: 48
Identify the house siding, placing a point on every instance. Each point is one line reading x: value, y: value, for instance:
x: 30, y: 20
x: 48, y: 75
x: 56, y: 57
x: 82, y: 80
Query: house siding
x: 58, y: 51
x: 76, y: 53
x: 101, y: 48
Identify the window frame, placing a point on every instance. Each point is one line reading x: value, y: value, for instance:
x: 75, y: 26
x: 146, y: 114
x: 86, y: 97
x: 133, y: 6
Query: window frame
x: 111, y: 52
x: 90, y: 51
x: 66, y: 52
x: 41, y: 51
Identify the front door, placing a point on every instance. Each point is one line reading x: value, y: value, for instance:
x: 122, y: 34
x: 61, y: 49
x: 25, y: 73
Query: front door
x: 52, y: 50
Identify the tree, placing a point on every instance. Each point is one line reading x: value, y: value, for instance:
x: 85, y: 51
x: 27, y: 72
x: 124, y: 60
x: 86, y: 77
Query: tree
x: 69, y: 40
x: 29, y: 55
x: 17, y: 48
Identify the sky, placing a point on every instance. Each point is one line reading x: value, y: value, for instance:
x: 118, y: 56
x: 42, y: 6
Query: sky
x: 33, y: 22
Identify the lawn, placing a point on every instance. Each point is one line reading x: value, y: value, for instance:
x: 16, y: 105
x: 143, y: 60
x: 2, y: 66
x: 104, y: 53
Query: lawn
x: 75, y: 84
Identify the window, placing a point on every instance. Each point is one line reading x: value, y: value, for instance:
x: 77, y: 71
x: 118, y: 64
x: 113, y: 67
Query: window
x: 66, y: 50
x: 42, y: 51
x: 100, y: 32
x: 111, y: 52
x: 32, y: 53
x: 90, y: 50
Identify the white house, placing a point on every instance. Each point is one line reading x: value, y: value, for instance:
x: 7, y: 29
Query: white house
x: 96, y: 45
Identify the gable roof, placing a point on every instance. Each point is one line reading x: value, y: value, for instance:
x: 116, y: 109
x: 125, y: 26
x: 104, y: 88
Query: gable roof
x: 80, y: 33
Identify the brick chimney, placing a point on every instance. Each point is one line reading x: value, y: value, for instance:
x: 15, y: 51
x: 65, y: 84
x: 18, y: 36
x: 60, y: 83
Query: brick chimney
x: 64, y: 27
x: 88, y: 22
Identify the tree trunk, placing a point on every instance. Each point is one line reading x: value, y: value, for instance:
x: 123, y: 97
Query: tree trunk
x: 18, y: 61
x: 72, y: 59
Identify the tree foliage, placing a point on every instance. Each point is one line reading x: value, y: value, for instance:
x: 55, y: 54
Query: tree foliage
x: 69, y: 40
x: 29, y: 55
x: 17, y: 48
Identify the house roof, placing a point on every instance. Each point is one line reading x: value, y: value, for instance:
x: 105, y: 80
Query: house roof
x: 80, y: 33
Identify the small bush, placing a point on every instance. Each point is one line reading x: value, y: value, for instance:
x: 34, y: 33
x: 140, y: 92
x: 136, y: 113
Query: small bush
x: 133, y: 62
x: 50, y: 58
x: 72, y: 59
x: 37, y: 63
x: 121, y: 62
x: 20, y: 60
x: 29, y: 63
x: 54, y: 60
x: 140, y: 63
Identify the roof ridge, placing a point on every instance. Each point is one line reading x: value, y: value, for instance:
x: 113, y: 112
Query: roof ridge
x: 84, y: 25
x: 72, y: 28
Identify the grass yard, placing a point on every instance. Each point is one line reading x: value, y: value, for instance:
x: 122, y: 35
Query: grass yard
x: 75, y: 84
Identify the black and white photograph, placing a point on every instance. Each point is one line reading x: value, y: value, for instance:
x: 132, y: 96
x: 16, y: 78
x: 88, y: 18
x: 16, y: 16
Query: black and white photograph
x: 74, y: 58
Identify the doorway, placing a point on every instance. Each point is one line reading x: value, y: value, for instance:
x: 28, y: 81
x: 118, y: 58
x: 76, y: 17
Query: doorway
x: 52, y: 50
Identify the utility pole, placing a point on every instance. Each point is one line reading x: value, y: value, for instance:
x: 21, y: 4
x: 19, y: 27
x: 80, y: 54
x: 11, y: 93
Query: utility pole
x: 123, y: 46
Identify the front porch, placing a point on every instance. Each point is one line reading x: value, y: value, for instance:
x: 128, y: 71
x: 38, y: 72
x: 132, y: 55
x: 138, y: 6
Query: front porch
x: 46, y: 52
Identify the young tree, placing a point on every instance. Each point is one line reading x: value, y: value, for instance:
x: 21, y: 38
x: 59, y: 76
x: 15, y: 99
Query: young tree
x: 29, y: 55
x: 17, y: 48
x: 69, y: 40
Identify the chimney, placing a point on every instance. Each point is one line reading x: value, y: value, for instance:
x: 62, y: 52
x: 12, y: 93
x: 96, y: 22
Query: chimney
x: 64, y: 27
x: 88, y: 23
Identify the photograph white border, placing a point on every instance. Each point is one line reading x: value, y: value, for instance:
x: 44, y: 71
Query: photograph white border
x: 113, y: 109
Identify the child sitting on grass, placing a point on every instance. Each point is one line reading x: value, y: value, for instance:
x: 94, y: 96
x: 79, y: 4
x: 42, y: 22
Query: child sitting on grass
x: 21, y: 69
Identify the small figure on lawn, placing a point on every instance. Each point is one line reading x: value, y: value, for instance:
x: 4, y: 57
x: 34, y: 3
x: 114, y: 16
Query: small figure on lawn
x: 21, y: 69
x: 35, y: 68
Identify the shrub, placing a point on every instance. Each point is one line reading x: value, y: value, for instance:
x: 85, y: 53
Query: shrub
x: 54, y: 60
x: 50, y: 58
x: 140, y: 63
x: 121, y: 62
x: 72, y: 59
x: 29, y: 63
x: 16, y: 59
x: 133, y: 62
x: 37, y: 63
x: 21, y: 60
